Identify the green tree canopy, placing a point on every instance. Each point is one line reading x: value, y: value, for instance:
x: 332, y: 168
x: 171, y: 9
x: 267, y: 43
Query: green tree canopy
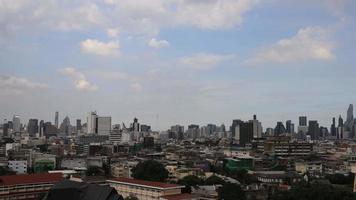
x: 314, y: 191
x: 190, y: 181
x: 150, y: 170
x: 230, y: 191
x: 214, y: 180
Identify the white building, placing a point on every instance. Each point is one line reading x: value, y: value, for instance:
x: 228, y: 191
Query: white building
x: 91, y: 122
x: 103, y: 125
x: 18, y: 166
x: 16, y: 123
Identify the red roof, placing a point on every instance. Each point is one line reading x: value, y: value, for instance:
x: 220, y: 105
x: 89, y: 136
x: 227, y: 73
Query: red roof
x: 145, y: 183
x: 183, y: 196
x: 30, y: 179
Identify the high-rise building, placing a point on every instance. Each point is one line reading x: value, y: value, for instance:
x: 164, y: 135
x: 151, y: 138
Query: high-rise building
x: 145, y: 128
x: 193, y: 131
x: 5, y: 128
x: 56, y: 119
x: 103, y: 125
x: 79, y: 125
x: 333, y: 127
x: 257, y: 127
x: 32, y: 127
x: 16, y: 124
x: 289, y: 127
x: 91, y: 122
x: 135, y: 126
x: 234, y: 128
x: 66, y: 128
x: 41, y: 128
x: 313, y: 129
x: 245, y: 130
x: 177, y: 132
x: 302, y: 121
x: 279, y: 129
x: 350, y: 121
x: 303, y: 127
x: 340, y: 128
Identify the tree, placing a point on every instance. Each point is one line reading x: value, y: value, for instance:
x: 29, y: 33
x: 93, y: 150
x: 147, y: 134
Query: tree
x: 314, y: 191
x: 150, y: 170
x: 6, y: 171
x: 230, y: 191
x: 214, y: 180
x: 189, y: 181
x: 243, y: 176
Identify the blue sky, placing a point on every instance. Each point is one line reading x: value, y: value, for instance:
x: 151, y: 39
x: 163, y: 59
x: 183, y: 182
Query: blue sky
x: 185, y: 61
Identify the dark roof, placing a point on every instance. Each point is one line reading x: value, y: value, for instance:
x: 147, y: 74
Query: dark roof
x: 144, y: 183
x: 71, y: 190
x: 30, y: 179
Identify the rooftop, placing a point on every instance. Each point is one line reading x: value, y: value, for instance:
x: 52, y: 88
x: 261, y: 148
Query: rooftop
x: 30, y: 179
x: 145, y: 183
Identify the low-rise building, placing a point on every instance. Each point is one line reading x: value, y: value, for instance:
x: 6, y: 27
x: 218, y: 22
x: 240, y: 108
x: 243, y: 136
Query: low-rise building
x: 18, y: 166
x: 29, y: 186
x: 148, y: 190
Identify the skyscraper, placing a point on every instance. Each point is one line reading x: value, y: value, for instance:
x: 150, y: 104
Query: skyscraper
x: 32, y: 127
x: 234, y: 128
x: 103, y: 125
x: 257, y: 127
x: 340, y: 128
x: 91, y: 122
x: 16, y: 124
x: 56, y: 122
x: 350, y: 121
x: 245, y: 133
x: 302, y: 121
x: 280, y: 129
x: 313, y: 129
x: 333, y: 127
x: 79, y: 125
x: 289, y: 127
x: 65, y: 126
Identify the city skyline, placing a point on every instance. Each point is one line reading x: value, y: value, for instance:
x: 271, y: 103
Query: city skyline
x: 276, y: 59
x: 348, y: 117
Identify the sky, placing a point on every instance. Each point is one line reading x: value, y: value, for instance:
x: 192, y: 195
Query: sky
x: 170, y: 62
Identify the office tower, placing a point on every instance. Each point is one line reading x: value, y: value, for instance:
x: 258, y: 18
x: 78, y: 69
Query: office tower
x: 350, y: 121
x: 32, y: 127
x: 135, y: 126
x: 145, y: 128
x: 16, y: 124
x: 5, y: 128
x: 340, y: 128
x: 56, y: 120
x: 323, y: 132
x: 245, y: 130
x: 49, y: 129
x: 289, y: 127
x: 193, y: 131
x: 302, y: 121
x: 234, y: 129
x: 303, y: 127
x: 177, y: 132
x: 313, y: 129
x: 79, y: 125
x: 279, y: 129
x: 257, y: 127
x: 269, y: 132
x: 210, y: 129
x: 103, y: 125
x: 41, y: 128
x: 91, y: 122
x: 65, y: 126
x: 333, y: 127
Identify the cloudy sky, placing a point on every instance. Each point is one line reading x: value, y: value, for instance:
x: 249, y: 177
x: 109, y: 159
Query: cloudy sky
x: 178, y: 61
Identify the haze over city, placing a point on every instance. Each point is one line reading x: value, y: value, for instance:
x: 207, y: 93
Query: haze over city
x: 175, y: 60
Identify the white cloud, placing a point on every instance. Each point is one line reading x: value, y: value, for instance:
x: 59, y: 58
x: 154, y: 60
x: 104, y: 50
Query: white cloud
x: 213, y: 14
x: 112, y: 75
x: 18, y: 85
x: 112, y: 32
x: 203, y: 61
x: 154, y: 43
x: 96, y: 47
x: 80, y: 81
x: 311, y: 43
x: 136, y: 87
